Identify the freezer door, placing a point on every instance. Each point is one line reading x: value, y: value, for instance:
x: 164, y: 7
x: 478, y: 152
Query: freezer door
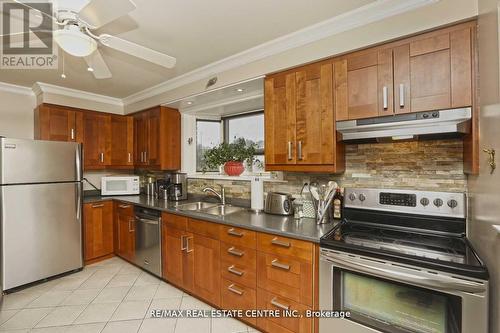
x: 41, y: 231
x: 33, y: 161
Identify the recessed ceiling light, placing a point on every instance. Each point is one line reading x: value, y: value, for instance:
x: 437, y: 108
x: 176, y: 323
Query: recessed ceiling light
x: 189, y: 103
x: 90, y: 69
x: 240, y: 90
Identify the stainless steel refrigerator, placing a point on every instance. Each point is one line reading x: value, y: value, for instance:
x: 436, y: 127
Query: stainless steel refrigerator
x: 40, y: 210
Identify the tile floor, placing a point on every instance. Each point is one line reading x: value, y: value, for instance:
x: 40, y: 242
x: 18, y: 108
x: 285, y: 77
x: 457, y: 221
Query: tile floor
x: 109, y: 296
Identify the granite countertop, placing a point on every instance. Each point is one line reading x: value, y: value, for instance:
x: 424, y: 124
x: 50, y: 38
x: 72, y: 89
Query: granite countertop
x: 305, y: 229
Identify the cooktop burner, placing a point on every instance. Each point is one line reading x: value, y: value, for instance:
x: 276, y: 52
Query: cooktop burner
x: 427, y: 240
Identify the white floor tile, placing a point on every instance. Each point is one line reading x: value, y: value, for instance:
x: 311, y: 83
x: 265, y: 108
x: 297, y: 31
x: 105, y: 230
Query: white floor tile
x: 228, y: 325
x: 50, y: 298
x: 164, y: 304
x: 69, y: 284
x: 190, y: 325
x: 122, y: 280
x: 111, y: 295
x: 146, y: 279
x: 138, y: 293
x: 164, y: 325
x: 17, y: 300
x: 81, y: 297
x: 86, y: 328
x: 191, y: 303
x: 26, y: 318
x: 63, y: 315
x: 6, y: 315
x: 166, y: 290
x: 130, y: 326
x: 97, y: 313
x: 130, y: 270
x: 131, y: 310
x: 98, y: 280
x: 58, y: 329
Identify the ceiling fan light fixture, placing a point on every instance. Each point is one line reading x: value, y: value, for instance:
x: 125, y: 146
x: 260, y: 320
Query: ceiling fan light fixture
x: 75, y: 42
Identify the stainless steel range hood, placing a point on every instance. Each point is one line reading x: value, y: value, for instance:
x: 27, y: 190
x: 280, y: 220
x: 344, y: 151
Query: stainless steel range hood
x: 432, y: 124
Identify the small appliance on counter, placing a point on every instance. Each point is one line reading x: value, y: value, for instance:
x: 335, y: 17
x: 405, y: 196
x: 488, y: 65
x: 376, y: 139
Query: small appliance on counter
x: 177, y: 190
x: 120, y: 185
x: 279, y: 203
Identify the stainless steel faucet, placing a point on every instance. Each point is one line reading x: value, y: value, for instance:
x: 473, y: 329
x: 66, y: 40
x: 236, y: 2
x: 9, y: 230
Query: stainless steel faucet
x: 221, y: 195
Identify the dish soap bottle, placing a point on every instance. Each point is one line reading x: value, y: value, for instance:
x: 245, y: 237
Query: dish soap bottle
x: 337, y: 203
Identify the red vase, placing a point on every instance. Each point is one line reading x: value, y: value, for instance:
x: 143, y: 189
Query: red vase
x: 233, y: 168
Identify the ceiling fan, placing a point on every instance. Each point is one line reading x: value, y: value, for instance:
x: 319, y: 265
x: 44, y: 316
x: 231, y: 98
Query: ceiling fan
x: 75, y: 35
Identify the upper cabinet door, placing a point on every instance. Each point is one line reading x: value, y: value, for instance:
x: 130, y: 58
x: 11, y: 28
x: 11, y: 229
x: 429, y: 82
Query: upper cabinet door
x: 56, y: 123
x: 280, y: 118
x: 122, y: 141
x: 153, y: 137
x: 314, y: 114
x: 369, y: 84
x: 96, y: 140
x: 140, y: 135
x: 434, y: 72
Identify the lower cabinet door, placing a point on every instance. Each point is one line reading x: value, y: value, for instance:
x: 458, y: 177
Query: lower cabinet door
x: 236, y: 296
x: 178, y: 259
x: 286, y: 324
x: 206, y: 267
x: 98, y: 229
x: 126, y: 237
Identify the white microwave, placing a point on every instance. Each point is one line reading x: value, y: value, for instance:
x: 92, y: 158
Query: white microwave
x: 120, y: 185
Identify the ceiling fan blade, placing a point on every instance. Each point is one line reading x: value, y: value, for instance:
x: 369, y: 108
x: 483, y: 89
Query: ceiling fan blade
x: 138, y: 51
x: 96, y: 62
x: 99, y: 12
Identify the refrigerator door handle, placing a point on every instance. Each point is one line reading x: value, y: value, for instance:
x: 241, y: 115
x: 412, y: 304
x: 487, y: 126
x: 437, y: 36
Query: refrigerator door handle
x: 79, y: 202
x: 79, y: 172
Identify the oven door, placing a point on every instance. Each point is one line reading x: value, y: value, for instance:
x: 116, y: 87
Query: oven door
x: 386, y: 297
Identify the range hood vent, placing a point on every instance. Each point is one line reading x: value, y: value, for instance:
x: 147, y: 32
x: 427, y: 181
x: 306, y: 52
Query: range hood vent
x: 419, y: 125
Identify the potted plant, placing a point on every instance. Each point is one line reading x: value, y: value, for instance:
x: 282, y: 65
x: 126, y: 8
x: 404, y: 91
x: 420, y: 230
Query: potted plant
x: 231, y: 155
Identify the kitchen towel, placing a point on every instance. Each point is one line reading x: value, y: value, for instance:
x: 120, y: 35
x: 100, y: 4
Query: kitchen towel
x: 257, y: 188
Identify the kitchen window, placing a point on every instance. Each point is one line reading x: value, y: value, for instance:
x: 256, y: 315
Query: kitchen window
x: 249, y: 126
x: 208, y: 135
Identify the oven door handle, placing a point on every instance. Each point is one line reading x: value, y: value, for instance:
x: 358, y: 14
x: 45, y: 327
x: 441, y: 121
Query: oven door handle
x: 440, y: 283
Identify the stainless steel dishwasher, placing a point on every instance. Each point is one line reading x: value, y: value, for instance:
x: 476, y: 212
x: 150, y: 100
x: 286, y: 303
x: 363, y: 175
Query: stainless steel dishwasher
x: 148, y: 240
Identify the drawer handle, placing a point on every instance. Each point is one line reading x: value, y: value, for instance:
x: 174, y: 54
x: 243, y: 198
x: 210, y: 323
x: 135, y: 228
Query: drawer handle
x: 232, y: 269
x: 276, y: 241
x: 277, y: 304
x: 123, y: 206
x: 232, y: 288
x: 232, y: 250
x: 277, y: 264
x: 233, y: 232
x: 98, y: 206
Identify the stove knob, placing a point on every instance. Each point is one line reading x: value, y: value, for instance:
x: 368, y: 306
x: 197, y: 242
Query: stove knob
x: 424, y: 201
x: 362, y: 197
x: 352, y: 196
x: 438, y: 202
x: 452, y: 203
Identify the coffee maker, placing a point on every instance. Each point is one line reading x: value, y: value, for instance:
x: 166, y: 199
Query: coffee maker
x: 173, y: 187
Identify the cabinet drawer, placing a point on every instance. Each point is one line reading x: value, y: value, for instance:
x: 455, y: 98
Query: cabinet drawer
x: 285, y: 246
x: 203, y: 228
x: 238, y: 273
x: 124, y: 209
x: 175, y: 221
x: 269, y: 301
x: 238, y: 236
x: 285, y: 276
x: 235, y: 296
x: 238, y: 254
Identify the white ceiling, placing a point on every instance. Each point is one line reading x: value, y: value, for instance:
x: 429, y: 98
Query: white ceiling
x: 197, y: 32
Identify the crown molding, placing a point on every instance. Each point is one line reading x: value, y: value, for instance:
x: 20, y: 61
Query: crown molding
x: 13, y: 88
x: 46, y: 88
x: 254, y: 95
x: 373, y: 12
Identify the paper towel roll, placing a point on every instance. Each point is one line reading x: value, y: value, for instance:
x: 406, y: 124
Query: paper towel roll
x: 257, y: 189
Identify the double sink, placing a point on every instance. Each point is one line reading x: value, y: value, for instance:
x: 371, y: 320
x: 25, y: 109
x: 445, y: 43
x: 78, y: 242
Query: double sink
x: 210, y: 208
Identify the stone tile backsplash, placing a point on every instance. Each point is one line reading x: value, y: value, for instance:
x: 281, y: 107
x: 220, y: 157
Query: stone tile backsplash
x: 435, y: 165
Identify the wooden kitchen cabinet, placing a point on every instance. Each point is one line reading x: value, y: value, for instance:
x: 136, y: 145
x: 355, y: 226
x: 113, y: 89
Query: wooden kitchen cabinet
x: 98, y: 230
x: 157, y: 139
x: 206, y: 266
x: 58, y: 123
x: 122, y: 142
x: 299, y: 114
x: 96, y: 140
x: 124, y: 231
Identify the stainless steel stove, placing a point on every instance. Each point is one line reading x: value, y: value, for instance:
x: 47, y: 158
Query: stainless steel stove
x: 400, y: 262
